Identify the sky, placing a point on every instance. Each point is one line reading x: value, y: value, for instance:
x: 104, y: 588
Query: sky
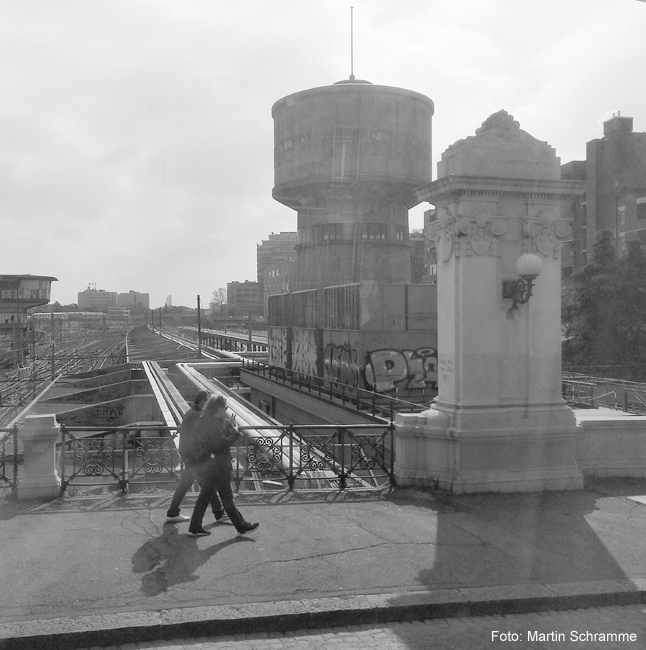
x: 136, y: 137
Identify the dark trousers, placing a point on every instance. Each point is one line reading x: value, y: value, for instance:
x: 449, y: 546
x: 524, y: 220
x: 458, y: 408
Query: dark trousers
x: 214, y: 478
x: 187, y: 479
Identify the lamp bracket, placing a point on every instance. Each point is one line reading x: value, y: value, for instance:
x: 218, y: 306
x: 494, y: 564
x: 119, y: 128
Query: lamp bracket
x: 518, y: 291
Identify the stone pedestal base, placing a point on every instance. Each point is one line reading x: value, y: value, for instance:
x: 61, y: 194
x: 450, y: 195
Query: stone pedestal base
x: 40, y: 480
x: 429, y: 452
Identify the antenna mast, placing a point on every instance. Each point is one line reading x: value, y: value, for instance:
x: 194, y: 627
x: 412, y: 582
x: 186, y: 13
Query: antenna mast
x: 351, y: 43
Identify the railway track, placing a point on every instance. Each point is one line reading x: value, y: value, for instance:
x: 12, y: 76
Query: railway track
x: 19, y: 386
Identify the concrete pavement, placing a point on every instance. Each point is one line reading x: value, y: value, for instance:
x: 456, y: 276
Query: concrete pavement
x: 106, y: 570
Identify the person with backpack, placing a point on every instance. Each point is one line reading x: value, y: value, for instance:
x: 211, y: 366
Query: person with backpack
x: 189, y: 449
x: 216, y: 433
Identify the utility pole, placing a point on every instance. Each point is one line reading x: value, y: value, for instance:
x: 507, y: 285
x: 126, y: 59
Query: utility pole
x: 53, y: 364
x: 199, y: 328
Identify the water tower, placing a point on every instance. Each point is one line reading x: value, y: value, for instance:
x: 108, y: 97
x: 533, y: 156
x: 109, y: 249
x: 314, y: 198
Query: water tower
x: 348, y: 158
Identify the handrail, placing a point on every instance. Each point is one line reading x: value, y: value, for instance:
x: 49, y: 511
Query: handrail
x: 360, y: 456
x: 9, y: 478
x: 335, y: 389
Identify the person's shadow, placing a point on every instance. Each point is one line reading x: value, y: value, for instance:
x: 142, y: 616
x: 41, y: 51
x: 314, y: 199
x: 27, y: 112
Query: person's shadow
x: 173, y: 558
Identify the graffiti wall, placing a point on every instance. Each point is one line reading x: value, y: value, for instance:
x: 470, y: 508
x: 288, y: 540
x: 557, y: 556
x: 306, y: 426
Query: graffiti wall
x: 391, y: 370
x: 341, y: 363
x: 388, y: 345
x: 304, y: 353
x: 277, y: 347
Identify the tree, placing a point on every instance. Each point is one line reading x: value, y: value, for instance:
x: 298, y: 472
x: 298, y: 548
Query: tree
x: 604, y: 306
x: 589, y: 311
x: 218, y: 299
x: 631, y: 311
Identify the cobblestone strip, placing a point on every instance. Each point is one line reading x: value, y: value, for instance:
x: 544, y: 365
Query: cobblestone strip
x: 583, y: 629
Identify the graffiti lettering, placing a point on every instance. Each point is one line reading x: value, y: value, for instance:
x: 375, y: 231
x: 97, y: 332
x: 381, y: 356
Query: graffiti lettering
x: 277, y: 348
x: 304, y: 353
x: 110, y: 411
x: 340, y: 364
x: 388, y: 370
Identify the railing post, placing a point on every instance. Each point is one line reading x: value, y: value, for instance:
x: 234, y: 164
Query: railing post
x: 626, y: 400
x: 342, y: 477
x: 124, y: 461
x: 392, y: 452
x: 291, y: 480
x: 61, y: 461
x: 14, y: 486
x: 591, y: 396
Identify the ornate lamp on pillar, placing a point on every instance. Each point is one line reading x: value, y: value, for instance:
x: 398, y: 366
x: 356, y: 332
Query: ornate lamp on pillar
x: 499, y: 422
x: 529, y: 267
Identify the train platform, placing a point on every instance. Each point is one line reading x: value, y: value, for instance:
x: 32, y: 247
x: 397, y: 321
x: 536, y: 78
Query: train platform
x: 106, y: 570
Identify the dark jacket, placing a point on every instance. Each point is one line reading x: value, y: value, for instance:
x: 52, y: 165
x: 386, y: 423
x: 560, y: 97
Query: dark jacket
x: 216, y: 437
x: 189, y: 442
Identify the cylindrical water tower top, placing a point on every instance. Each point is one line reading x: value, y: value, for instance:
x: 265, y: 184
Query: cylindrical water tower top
x: 352, y: 133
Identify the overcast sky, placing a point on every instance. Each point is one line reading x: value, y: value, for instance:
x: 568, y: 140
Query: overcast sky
x: 136, y: 138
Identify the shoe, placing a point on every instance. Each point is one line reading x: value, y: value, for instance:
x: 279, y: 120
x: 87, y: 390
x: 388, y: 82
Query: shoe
x: 248, y: 528
x: 221, y: 517
x: 198, y: 533
x: 177, y: 519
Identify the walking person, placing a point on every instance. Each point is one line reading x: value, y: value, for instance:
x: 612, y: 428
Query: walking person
x: 217, y: 433
x: 190, y: 451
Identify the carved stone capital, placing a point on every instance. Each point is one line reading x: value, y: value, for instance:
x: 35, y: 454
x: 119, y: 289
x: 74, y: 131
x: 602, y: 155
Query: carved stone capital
x: 545, y: 234
x: 478, y: 233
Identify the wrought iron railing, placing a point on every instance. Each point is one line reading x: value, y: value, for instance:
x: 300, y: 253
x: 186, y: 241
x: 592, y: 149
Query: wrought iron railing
x: 9, y: 459
x: 308, y: 456
x: 376, y: 404
x: 123, y: 456
x: 265, y: 458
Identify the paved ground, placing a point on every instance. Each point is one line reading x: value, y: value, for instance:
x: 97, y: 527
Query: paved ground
x: 108, y: 570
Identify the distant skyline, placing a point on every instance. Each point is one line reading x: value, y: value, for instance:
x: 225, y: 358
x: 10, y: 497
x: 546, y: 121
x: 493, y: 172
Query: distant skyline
x: 137, y: 138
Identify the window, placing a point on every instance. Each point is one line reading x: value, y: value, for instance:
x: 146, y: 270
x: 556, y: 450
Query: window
x: 374, y: 231
x: 345, y: 152
x: 334, y: 232
x: 621, y: 215
x: 641, y: 208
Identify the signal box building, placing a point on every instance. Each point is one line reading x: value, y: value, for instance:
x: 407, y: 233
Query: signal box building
x: 18, y: 294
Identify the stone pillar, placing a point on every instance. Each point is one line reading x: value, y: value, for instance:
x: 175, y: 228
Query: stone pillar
x: 39, y: 434
x: 499, y: 422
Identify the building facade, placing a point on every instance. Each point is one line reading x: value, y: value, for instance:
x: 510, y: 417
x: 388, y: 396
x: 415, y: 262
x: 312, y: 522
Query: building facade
x: 276, y: 258
x: 244, y: 299
x: 133, y: 299
x: 96, y: 300
x: 615, y: 199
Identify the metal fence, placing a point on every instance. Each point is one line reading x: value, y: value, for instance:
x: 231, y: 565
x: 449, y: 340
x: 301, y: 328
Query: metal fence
x: 315, y: 457
x: 598, y: 392
x: 265, y: 458
x: 124, y: 457
x: 9, y: 459
x: 361, y: 399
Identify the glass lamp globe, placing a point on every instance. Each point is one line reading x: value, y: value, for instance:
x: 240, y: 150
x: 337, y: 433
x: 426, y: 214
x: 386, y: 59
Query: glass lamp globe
x: 529, y: 266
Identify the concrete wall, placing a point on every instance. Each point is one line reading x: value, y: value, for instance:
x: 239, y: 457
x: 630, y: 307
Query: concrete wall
x: 611, y: 445
x: 290, y: 406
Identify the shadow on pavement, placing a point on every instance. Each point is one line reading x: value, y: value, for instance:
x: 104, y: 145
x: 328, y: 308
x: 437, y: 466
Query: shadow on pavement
x: 173, y: 558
